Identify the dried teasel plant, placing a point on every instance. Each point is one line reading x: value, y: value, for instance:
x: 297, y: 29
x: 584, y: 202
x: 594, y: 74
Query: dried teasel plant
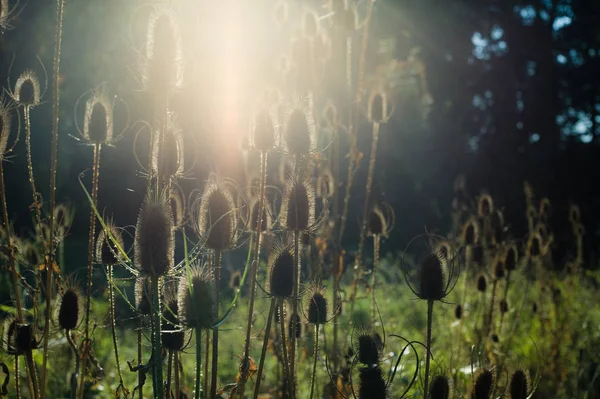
x: 299, y: 129
x: 483, y: 384
x: 173, y: 338
x: 168, y: 150
x: 442, y: 387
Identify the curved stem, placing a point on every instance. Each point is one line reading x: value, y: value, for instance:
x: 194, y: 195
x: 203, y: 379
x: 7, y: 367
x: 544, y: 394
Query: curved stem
x: 215, y: 343
x: 428, y: 354
x: 157, y: 383
x: 111, y: 304
x: 198, y: 361
x: 263, y: 353
x: 316, y: 355
x: 92, y: 234
x: 376, y: 242
x: 254, y: 272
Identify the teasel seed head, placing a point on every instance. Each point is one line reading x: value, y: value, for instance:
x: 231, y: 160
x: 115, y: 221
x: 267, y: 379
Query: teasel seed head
x: 163, y: 61
x: 143, y: 300
x: 217, y: 216
x: 485, y: 205
x: 498, y: 269
x: 235, y: 281
x: 300, y: 130
x: 534, y: 245
x: 458, y: 312
x: 69, y: 308
x: 433, y: 277
x: 481, y: 283
x: 441, y: 387
x: 377, y: 109
x: 154, y: 248
x: 196, y: 298
x: 470, y: 233
x: 318, y: 306
x: 476, y: 254
x: 168, y: 150
x: 545, y: 209
x: 298, y: 206
x: 98, y: 117
x: 18, y: 338
x: 367, y: 348
x: 484, y: 385
x: 534, y: 307
x: 5, y: 125
x: 27, y: 89
x: 295, y: 326
x: 280, y: 272
x: 263, y: 131
x: 503, y: 306
x: 178, y: 207
x: 172, y: 337
x: 497, y: 227
x: 372, y: 384
x: 519, y: 387
x: 511, y: 257
x: 325, y: 187
x: 381, y: 220
x: 107, y: 252
x: 574, y: 214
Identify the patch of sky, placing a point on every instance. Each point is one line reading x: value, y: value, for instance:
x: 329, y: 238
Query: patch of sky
x: 519, y: 125
x: 534, y: 138
x: 497, y: 32
x: 531, y: 65
x: 561, y: 59
x: 527, y: 14
x: 576, y: 57
x: 561, y: 22
x: 586, y: 138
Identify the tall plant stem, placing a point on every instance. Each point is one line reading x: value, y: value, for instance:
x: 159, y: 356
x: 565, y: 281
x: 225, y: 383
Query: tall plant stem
x: 111, y: 304
x: 206, y: 361
x: 296, y: 295
x: 315, y: 356
x: 53, y: 167
x: 198, y: 361
x: 140, y: 335
x: 428, y: 354
x: 254, y: 271
x: 169, y: 374
x: 157, y: 375
x: 90, y: 265
x: 376, y: 242
x: 215, y: 343
x: 34, y: 388
x: 505, y: 296
x: 176, y: 360
x: 286, y: 360
x: 261, y: 362
x: 488, y: 327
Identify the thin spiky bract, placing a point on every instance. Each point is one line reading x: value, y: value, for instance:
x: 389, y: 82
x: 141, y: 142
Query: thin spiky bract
x: 5, y: 125
x: 196, y: 298
x: 300, y: 130
x: 263, y: 131
x: 441, y: 388
x: 372, y: 384
x: 154, y: 236
x: 217, y: 216
x: 298, y: 205
x: 27, y: 89
x: 143, y: 303
x: 107, y: 252
x: 98, y: 117
x: 69, y: 308
x: 163, y: 63
x: 168, y: 151
x: 280, y: 272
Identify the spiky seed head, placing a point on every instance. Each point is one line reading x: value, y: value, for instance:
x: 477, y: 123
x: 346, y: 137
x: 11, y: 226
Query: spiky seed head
x: 263, y: 131
x: 18, y: 337
x: 497, y: 226
x: 69, y: 309
x: 372, y: 384
x: 481, y: 283
x: 5, y: 125
x: 253, y: 221
x: 534, y: 245
x: 280, y: 273
x: 476, y: 254
x: 495, y: 338
x: 178, y: 207
x: 196, y: 298
x: 310, y: 24
x: 172, y: 337
x: 470, y: 233
x: 511, y: 257
x: 503, y: 306
x: 367, y: 349
x: 519, y: 384
x: 217, y: 219
x: 441, y: 388
x: 318, y: 307
x: 163, y: 63
x: 499, y: 269
x: 458, y: 312
x: 154, y: 248
x: 63, y: 216
x: 32, y: 254
x: 142, y: 291
x: 574, y: 214
x: 484, y: 385
x: 545, y: 209
x: 485, y: 205
x: 295, y: 326
x: 433, y: 276
x: 235, y: 281
x: 168, y: 149
x: 300, y: 130
x: 298, y: 206
x: 98, y: 118
x: 107, y: 251
x: 27, y: 89
x: 377, y: 109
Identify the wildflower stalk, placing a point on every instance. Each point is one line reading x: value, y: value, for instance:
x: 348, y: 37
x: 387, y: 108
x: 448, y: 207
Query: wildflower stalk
x: 286, y: 362
x: 34, y: 388
x: 315, y: 356
x: 428, y: 354
x: 376, y: 242
x: 17, y: 385
x: 198, y: 361
x: 157, y: 375
x: 488, y: 327
x: 254, y: 265
x: 53, y: 167
x: 215, y: 342
x: 206, y: 361
x: 176, y: 360
x: 295, y: 299
x: 111, y: 304
x: 139, y: 353
x: 169, y: 373
x: 263, y: 353
x: 92, y: 233
x: 505, y: 295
